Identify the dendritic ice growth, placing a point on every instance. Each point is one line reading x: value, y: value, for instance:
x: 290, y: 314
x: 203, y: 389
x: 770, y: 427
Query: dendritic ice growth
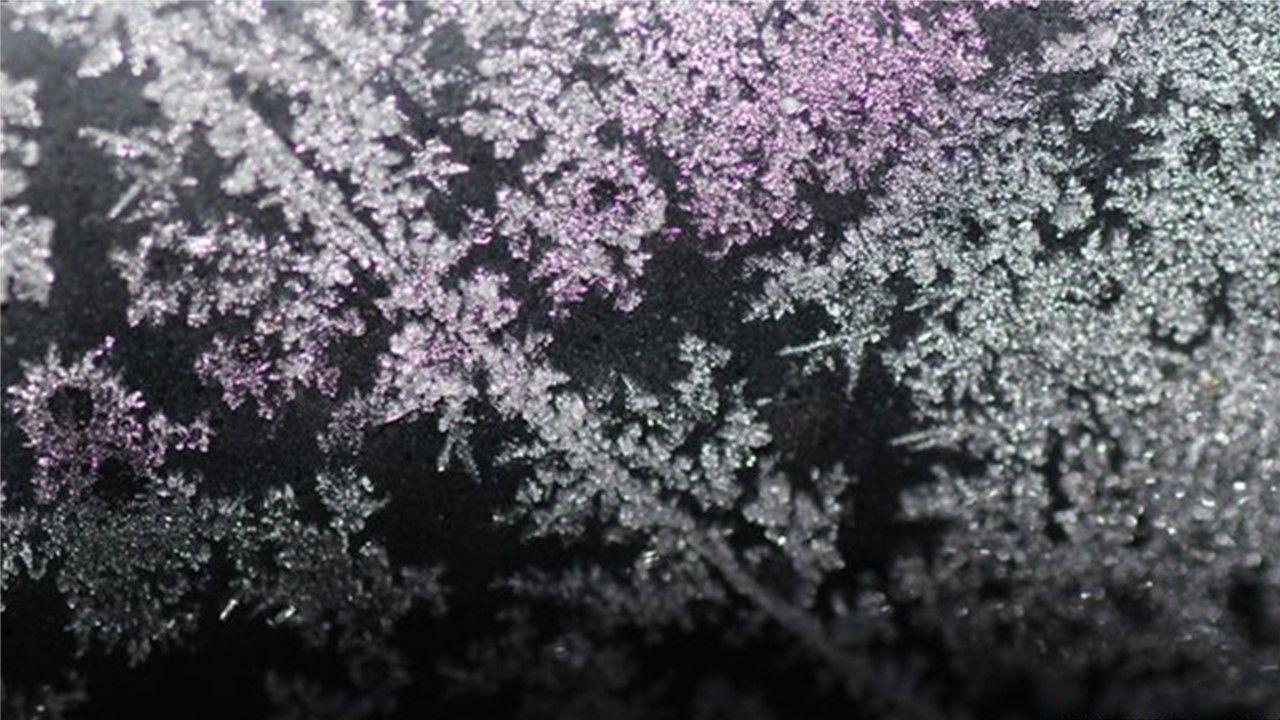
x: 640, y: 359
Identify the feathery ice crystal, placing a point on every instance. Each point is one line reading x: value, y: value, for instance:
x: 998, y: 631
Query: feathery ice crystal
x: 928, y: 348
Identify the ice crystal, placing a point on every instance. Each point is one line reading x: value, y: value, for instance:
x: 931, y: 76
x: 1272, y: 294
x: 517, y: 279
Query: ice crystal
x: 77, y: 418
x: 24, y: 248
x: 984, y: 364
x: 1098, y: 326
x: 133, y: 580
x: 324, y: 581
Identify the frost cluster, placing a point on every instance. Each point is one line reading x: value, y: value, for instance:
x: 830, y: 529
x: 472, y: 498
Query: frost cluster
x: 1041, y: 242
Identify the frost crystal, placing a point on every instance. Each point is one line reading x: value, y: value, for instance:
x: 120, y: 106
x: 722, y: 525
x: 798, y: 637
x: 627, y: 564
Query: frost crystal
x: 24, y: 238
x: 78, y: 418
x: 920, y: 358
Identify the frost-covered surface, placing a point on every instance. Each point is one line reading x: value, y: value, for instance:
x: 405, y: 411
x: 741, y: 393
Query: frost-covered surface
x: 24, y: 244
x: 599, y: 359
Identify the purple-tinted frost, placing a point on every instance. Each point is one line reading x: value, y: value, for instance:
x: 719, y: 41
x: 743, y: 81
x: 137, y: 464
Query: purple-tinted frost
x: 77, y: 417
x: 756, y: 104
x: 626, y: 128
